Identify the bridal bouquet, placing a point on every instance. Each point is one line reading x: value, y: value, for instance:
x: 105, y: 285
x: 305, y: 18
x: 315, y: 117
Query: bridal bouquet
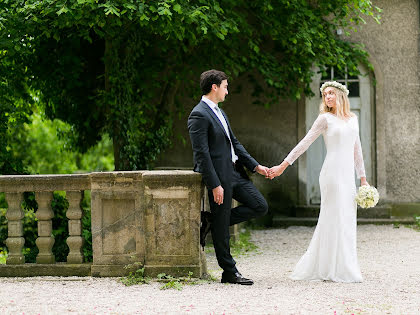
x: 367, y: 197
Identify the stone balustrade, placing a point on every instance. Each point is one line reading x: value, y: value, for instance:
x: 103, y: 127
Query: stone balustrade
x: 146, y: 217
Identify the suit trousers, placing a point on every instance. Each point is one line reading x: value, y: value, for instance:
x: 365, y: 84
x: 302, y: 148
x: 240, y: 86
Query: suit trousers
x: 252, y: 205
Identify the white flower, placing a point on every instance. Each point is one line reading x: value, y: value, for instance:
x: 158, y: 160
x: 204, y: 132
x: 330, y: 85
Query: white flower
x: 335, y: 84
x: 367, y: 197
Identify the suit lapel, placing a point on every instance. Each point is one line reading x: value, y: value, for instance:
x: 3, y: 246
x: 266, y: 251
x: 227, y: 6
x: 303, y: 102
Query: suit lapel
x: 213, y: 115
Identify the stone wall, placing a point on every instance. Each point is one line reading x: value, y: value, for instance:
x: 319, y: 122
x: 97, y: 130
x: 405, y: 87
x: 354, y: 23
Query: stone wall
x: 394, y: 49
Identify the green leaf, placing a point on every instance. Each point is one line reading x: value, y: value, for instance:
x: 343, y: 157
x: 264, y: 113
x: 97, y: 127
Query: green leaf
x: 177, y: 8
x: 62, y: 10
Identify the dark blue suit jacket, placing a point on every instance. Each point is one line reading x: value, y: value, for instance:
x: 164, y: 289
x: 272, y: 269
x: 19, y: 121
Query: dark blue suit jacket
x: 211, y: 148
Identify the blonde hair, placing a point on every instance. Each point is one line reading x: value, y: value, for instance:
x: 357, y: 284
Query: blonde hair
x: 342, y: 104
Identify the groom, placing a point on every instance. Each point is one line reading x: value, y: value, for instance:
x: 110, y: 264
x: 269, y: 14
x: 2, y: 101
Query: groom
x: 220, y: 158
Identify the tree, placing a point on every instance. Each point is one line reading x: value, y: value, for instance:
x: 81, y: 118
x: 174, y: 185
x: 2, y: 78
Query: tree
x: 15, y: 108
x: 117, y: 66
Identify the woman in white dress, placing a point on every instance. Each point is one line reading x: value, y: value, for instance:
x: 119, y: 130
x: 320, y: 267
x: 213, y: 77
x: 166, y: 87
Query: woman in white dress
x: 332, y: 253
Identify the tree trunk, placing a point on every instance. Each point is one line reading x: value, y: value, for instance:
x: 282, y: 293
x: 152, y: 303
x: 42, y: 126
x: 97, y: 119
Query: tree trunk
x: 108, y: 61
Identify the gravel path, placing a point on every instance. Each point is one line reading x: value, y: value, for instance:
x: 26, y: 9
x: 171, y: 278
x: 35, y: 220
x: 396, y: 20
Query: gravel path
x: 389, y: 259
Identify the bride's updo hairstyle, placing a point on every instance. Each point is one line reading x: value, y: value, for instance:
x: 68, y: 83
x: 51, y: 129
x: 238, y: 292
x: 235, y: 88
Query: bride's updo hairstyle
x: 342, y: 100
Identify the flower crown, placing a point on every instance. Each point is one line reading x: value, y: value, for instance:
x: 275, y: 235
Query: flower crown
x: 334, y: 84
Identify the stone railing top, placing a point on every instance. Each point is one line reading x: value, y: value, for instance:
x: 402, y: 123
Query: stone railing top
x: 75, y: 182
x: 21, y: 183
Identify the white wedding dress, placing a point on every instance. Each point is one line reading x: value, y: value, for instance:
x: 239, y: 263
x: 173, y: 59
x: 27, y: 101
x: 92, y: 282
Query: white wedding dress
x: 332, y: 253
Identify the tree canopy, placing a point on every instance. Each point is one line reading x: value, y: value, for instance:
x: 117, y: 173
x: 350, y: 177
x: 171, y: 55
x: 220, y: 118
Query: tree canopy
x: 117, y: 66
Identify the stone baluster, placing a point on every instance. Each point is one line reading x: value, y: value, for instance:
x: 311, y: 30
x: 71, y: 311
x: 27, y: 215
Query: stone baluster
x: 74, y: 214
x: 15, y: 241
x: 45, y: 240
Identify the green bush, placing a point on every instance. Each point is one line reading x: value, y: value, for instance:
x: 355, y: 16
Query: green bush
x: 44, y: 147
x: 86, y: 228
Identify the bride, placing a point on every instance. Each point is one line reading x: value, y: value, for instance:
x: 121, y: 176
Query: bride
x: 332, y: 253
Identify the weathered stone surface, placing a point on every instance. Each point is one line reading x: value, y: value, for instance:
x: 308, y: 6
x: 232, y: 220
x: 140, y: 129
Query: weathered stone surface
x: 117, y: 233
x: 405, y: 209
x: 110, y: 270
x: 146, y: 217
x: 393, y: 47
x: 15, y: 241
x: 57, y: 269
x: 173, y: 203
x: 22, y: 183
x: 45, y: 240
x: 74, y: 214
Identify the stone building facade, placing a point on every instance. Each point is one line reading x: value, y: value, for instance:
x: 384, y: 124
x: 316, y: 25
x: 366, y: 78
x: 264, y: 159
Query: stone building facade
x: 387, y: 102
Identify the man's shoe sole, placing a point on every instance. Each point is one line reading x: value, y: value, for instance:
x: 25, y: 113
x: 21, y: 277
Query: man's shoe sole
x: 241, y: 283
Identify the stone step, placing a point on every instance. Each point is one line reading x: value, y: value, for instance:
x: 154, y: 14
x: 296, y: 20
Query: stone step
x: 282, y: 221
x: 379, y: 212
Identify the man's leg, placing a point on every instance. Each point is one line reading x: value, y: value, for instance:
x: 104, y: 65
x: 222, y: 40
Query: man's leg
x: 252, y: 201
x: 220, y: 220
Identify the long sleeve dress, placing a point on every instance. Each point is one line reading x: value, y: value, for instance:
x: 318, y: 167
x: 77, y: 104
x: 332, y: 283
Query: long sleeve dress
x: 332, y: 253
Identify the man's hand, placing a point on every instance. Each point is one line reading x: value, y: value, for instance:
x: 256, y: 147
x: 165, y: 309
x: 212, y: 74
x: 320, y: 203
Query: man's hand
x: 218, y: 195
x: 277, y: 170
x: 263, y: 170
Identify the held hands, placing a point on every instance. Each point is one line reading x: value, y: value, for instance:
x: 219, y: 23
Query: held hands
x: 263, y: 170
x: 277, y: 170
x: 218, y: 192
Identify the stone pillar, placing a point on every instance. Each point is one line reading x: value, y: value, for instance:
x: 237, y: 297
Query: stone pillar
x: 45, y: 240
x: 117, y: 223
x: 74, y: 214
x: 15, y: 241
x: 173, y: 202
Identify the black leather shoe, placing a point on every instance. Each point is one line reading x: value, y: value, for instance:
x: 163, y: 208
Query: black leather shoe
x: 205, y: 227
x: 236, y: 278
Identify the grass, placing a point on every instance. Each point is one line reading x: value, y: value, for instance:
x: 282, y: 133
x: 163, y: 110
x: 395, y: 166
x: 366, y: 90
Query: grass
x: 242, y: 247
x: 3, y: 256
x: 135, y: 277
x: 416, y: 225
x: 175, y: 283
x: 169, y: 282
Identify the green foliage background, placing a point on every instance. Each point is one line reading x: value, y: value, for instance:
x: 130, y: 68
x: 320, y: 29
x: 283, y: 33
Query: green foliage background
x: 91, y: 85
x: 119, y: 67
x: 41, y: 146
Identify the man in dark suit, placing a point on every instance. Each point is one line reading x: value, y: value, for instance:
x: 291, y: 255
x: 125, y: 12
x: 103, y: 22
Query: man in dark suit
x: 220, y: 158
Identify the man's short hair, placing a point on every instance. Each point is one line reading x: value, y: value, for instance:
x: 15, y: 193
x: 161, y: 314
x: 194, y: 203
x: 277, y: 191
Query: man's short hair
x: 210, y: 77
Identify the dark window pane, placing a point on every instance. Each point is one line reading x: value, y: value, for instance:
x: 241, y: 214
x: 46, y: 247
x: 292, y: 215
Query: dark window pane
x: 352, y: 77
x: 354, y: 89
x: 319, y: 90
x: 326, y: 75
x: 339, y: 74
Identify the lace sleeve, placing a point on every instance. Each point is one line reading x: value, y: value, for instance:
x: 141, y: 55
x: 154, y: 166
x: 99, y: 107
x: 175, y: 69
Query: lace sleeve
x: 319, y: 126
x: 359, y: 165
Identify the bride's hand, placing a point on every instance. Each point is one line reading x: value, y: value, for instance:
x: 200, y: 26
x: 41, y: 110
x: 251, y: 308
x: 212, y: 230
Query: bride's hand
x: 276, y: 170
x: 363, y: 181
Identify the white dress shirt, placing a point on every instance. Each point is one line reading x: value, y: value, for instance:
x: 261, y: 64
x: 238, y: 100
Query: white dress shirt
x: 222, y: 119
